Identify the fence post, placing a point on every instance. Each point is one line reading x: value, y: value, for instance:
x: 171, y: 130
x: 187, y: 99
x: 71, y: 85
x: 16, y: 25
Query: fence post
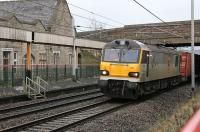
x: 86, y: 74
x: 80, y: 70
x: 65, y: 71
x: 12, y: 75
x: 77, y: 74
x: 93, y: 67
x: 98, y: 70
x: 56, y: 72
x: 90, y: 71
x: 47, y: 72
x: 25, y: 72
x: 36, y: 70
x: 95, y: 70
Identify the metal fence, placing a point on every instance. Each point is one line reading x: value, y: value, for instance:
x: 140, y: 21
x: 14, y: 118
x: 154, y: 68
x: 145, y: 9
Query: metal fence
x: 13, y: 75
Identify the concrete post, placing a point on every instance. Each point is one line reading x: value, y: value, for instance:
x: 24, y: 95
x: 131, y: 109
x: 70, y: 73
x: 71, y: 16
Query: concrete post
x: 74, y: 60
x: 74, y: 68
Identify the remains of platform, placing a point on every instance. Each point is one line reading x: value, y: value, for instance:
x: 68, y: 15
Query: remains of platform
x: 59, y: 85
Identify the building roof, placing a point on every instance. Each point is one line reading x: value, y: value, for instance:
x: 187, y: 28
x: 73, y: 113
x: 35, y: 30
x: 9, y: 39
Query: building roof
x: 27, y: 10
x: 37, y: 15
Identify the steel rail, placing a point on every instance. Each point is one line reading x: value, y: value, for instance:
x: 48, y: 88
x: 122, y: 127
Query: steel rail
x: 57, y: 115
x: 44, y: 107
x: 72, y: 95
x: 83, y: 118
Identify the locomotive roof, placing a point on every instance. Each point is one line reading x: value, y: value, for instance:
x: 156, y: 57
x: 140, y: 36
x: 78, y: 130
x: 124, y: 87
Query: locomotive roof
x: 134, y: 44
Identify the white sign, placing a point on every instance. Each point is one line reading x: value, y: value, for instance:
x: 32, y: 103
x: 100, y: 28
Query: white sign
x: 56, y: 52
x: 7, y: 49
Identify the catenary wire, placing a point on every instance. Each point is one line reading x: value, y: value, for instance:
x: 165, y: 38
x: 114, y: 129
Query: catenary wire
x: 107, y: 18
x: 157, y: 17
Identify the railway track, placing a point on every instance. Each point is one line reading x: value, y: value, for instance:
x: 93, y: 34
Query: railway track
x: 61, y: 121
x: 94, y: 104
x: 67, y: 119
x: 23, y: 110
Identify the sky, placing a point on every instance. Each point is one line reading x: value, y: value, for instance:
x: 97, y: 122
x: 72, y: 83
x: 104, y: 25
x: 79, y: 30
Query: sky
x: 128, y: 12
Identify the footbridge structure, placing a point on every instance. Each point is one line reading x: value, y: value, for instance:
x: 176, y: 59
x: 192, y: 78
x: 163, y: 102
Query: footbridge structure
x: 175, y: 34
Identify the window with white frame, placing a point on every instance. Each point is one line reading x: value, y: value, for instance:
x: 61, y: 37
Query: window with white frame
x: 56, y: 57
x: 42, y: 58
x: 70, y: 59
x: 15, y: 56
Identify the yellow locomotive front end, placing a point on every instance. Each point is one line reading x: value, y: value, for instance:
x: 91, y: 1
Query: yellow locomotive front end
x: 121, y: 69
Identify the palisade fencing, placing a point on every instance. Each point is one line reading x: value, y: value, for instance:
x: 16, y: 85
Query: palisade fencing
x: 87, y: 70
x: 13, y: 75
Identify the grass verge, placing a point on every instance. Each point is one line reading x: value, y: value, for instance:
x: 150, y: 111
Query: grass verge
x: 176, y: 121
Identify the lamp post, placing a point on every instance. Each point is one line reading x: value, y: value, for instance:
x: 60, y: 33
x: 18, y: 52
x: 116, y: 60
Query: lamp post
x: 192, y: 44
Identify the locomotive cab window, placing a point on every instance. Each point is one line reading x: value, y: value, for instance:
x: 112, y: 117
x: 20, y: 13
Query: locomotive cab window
x: 112, y: 55
x: 176, y: 61
x: 145, y: 57
x: 130, y: 55
x: 121, y: 55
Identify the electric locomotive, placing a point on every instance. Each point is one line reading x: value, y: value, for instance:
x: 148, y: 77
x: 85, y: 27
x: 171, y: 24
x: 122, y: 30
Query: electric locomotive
x: 130, y: 68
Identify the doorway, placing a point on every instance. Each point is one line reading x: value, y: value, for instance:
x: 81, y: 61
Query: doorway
x: 6, y: 63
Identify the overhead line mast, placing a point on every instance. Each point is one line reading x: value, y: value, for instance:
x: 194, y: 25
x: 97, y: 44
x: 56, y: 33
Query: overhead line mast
x: 192, y: 45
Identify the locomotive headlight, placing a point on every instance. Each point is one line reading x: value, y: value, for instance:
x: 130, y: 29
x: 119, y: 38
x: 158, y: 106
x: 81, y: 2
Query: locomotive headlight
x: 133, y: 74
x: 104, y: 72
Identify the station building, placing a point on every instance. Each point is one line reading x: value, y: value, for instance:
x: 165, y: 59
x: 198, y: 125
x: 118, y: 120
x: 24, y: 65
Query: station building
x: 44, y: 16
